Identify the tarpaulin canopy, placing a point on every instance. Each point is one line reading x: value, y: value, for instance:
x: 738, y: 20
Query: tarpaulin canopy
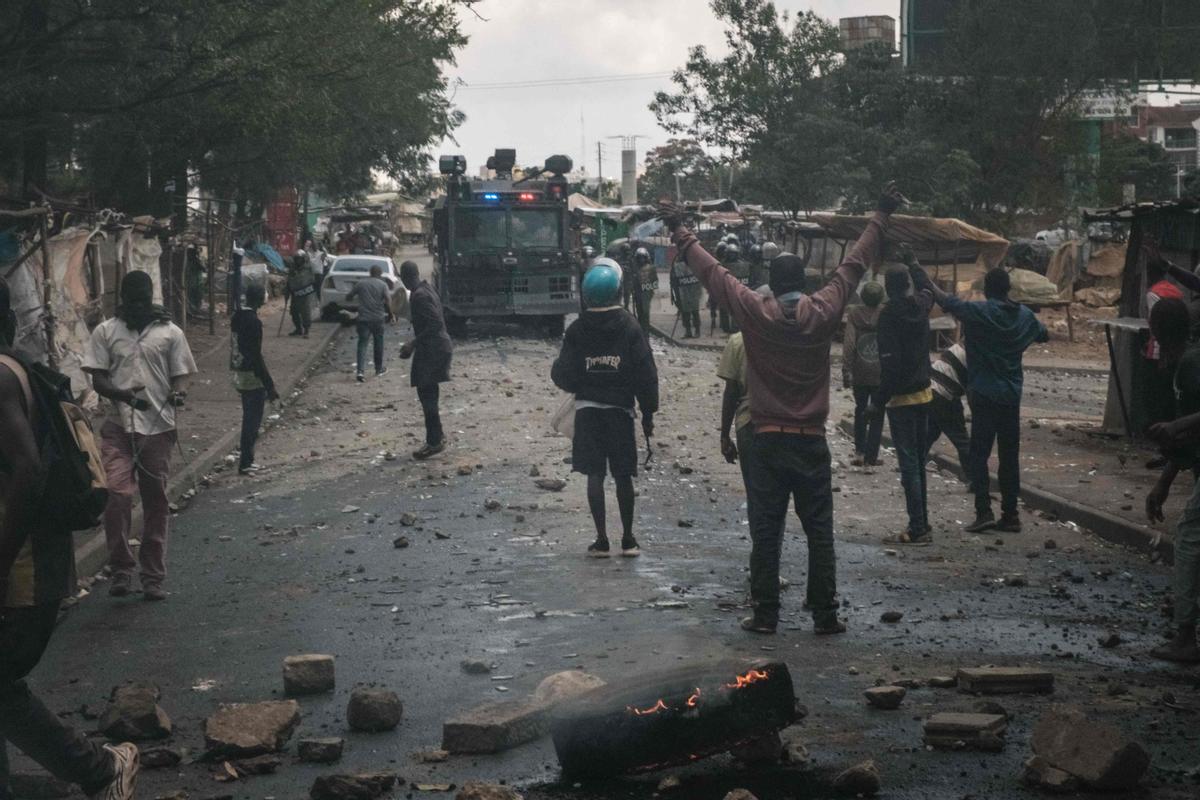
x: 934, y: 240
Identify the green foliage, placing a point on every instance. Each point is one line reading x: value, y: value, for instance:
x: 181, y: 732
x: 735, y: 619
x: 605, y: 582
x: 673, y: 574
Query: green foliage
x: 239, y: 96
x: 988, y: 133
x: 685, y: 158
x: 1125, y: 159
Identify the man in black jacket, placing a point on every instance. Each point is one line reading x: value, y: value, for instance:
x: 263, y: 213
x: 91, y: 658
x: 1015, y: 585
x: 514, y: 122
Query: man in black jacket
x: 606, y: 362
x: 251, y: 377
x: 431, y: 351
x: 905, y: 392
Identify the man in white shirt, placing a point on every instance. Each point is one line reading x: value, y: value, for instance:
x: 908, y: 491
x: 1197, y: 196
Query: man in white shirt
x: 139, y: 361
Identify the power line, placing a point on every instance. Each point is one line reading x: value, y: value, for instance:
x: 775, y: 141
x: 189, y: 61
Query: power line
x: 582, y: 81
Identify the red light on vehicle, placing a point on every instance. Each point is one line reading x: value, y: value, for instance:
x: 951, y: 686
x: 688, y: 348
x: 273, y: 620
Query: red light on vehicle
x: 526, y: 197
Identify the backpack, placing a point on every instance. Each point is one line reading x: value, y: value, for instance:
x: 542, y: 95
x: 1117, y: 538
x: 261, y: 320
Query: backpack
x: 75, y: 492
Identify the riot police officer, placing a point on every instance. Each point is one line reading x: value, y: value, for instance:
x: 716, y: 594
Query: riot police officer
x: 722, y: 246
x: 647, y: 285
x: 685, y: 294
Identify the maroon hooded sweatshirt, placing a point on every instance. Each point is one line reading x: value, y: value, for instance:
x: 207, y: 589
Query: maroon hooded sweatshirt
x: 787, y: 345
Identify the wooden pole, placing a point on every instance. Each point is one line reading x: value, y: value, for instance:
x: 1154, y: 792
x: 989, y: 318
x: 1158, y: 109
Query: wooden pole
x: 47, y: 309
x: 212, y: 269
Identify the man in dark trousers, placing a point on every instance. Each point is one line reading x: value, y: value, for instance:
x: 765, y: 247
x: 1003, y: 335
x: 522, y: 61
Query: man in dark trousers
x: 905, y: 392
x: 787, y: 341
x: 251, y: 378
x: 430, y: 350
x: 37, y: 571
x: 606, y: 363
x: 998, y: 332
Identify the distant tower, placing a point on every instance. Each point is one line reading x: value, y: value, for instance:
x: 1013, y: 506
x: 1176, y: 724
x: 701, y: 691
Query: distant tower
x: 628, y: 168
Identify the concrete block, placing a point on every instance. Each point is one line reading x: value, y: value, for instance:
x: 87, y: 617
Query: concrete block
x: 495, y: 727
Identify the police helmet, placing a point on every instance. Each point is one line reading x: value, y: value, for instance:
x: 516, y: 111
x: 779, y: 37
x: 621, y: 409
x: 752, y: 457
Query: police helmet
x: 733, y: 239
x: 602, y: 283
x: 755, y: 252
x: 733, y: 252
x: 642, y: 256
x: 721, y: 248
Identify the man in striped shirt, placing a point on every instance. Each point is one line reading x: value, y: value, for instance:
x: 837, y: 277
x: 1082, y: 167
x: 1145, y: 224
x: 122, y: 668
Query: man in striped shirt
x: 946, y: 416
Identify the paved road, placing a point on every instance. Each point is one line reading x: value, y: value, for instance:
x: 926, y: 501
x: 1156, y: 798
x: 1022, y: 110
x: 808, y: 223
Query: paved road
x: 302, y: 560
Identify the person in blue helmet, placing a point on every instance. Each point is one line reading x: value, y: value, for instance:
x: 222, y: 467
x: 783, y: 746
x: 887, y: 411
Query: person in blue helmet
x: 607, y: 364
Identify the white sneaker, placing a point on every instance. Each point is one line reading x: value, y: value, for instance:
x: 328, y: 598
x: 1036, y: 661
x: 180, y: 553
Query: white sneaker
x: 125, y: 772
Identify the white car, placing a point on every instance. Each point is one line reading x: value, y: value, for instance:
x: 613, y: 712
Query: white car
x: 345, y: 271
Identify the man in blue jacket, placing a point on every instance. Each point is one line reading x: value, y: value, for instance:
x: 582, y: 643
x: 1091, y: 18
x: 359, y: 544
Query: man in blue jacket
x: 998, y: 332
x: 607, y: 363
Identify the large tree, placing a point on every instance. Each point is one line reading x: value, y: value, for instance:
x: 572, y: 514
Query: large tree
x: 683, y: 165
x: 124, y: 97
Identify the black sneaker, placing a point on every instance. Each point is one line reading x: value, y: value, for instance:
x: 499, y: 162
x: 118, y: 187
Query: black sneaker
x: 429, y: 450
x: 121, y: 585
x: 1009, y: 524
x: 758, y: 625
x: 598, y: 549
x: 379, y: 373
x: 983, y: 522
x: 829, y: 628
x: 629, y: 547
x: 358, y: 376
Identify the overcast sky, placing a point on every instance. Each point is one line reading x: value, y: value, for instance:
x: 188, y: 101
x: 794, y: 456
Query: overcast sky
x: 540, y: 40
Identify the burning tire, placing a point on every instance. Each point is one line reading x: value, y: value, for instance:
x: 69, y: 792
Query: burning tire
x: 672, y: 718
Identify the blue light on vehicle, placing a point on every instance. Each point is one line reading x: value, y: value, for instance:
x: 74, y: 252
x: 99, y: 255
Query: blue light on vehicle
x: 492, y: 197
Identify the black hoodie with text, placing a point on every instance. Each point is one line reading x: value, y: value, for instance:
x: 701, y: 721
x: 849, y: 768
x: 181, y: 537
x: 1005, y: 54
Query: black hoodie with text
x: 605, y: 358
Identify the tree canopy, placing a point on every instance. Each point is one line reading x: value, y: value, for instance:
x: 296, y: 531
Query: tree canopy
x: 990, y: 131
x: 241, y: 97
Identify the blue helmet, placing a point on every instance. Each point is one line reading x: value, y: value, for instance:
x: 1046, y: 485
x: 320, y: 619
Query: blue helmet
x: 602, y: 283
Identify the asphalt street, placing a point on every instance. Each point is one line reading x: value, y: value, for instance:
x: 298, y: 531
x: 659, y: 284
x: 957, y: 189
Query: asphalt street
x: 303, y: 560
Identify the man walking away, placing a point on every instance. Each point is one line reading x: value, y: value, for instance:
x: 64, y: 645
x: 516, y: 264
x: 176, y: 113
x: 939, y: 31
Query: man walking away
x: 251, y: 377
x: 1157, y: 389
x: 374, y: 298
x: 860, y: 372
x: 607, y: 364
x: 37, y: 572
x: 431, y: 351
x: 301, y: 286
x: 1169, y: 323
x: 946, y: 411
x: 904, y: 391
x: 787, y: 342
x: 998, y: 333
x: 139, y: 361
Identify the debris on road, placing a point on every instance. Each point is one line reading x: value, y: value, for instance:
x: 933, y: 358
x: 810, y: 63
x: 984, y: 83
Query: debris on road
x: 320, y: 751
x: 1039, y: 774
x: 1005, y: 680
x: 366, y: 786
x: 567, y: 685
x: 551, y: 484
x: 760, y: 750
x: 861, y: 780
x: 891, y: 617
x: 1098, y: 754
x: 887, y: 698
x: 307, y: 674
x: 250, y: 729
x: 741, y: 794
x: 495, y: 727
x: 432, y: 756
x: 943, y: 682
x: 374, y: 710
x: 958, y: 731
x: 159, y: 758
x: 473, y: 666
x: 473, y: 790
x: 133, y: 714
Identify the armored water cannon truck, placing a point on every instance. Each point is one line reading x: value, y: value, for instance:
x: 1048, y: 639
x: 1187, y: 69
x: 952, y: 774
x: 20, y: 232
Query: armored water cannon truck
x: 505, y: 247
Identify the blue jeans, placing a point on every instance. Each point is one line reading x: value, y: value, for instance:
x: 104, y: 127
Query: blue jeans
x: 373, y: 330
x: 910, y: 436
x: 995, y: 424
